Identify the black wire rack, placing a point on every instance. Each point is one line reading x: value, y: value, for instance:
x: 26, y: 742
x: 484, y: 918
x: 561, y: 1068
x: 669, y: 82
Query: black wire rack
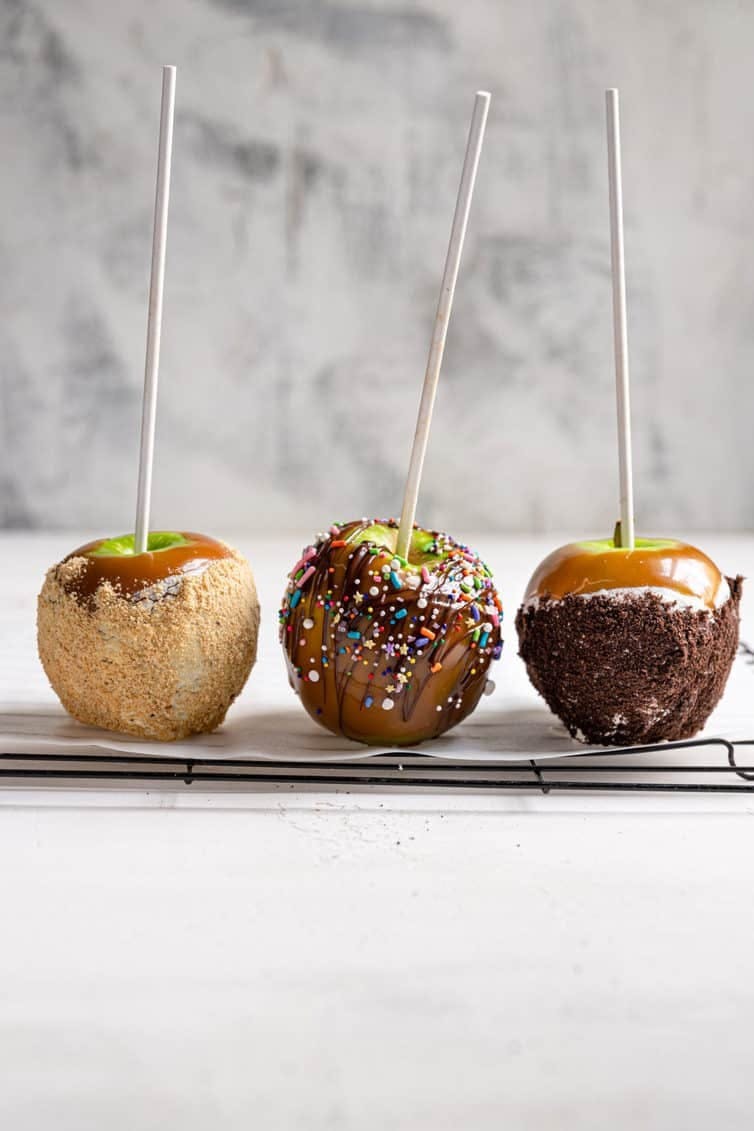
x: 703, y: 765
x: 709, y: 765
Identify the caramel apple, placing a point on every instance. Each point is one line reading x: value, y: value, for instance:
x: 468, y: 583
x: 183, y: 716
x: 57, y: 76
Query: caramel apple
x: 388, y: 650
x: 157, y: 644
x: 630, y: 646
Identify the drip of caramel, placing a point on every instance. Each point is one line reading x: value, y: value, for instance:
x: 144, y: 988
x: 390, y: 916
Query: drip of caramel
x: 131, y: 574
x: 590, y: 567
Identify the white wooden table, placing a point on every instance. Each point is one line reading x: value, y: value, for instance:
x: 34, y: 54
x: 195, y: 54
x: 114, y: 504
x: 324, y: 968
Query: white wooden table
x: 194, y: 960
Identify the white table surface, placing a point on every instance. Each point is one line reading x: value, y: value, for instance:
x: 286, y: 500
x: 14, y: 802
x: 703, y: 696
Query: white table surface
x: 180, y: 958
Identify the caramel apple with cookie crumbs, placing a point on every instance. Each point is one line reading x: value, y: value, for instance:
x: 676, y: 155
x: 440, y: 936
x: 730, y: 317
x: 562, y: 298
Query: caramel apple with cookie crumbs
x: 156, y: 644
x: 153, y: 633
x: 630, y: 646
x: 630, y: 641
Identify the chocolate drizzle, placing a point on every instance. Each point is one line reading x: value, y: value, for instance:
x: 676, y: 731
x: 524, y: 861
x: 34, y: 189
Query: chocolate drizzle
x: 383, y: 651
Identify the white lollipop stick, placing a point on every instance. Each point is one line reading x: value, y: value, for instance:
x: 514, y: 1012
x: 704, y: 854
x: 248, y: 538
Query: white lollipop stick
x: 437, y: 347
x: 620, y: 332
x: 154, y: 319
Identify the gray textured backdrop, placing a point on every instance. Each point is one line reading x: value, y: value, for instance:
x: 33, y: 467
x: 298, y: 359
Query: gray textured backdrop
x: 317, y: 153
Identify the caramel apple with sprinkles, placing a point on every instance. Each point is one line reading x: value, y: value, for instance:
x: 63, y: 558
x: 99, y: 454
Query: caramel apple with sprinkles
x: 385, y: 649
x: 389, y: 629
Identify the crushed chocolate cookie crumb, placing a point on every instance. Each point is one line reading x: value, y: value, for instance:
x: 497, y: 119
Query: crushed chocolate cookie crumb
x: 630, y: 672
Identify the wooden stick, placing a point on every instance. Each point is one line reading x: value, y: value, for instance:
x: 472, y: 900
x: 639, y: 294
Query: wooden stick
x: 437, y: 346
x: 620, y: 332
x: 154, y: 319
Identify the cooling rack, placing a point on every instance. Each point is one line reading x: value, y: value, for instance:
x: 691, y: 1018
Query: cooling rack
x: 709, y: 765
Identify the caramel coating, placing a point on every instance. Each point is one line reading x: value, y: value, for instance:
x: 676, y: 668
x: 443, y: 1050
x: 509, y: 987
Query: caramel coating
x: 590, y: 567
x: 129, y: 574
x: 158, y: 648
x: 386, y: 652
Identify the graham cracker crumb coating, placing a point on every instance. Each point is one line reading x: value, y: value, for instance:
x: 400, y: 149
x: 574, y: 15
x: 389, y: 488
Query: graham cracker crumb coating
x: 163, y: 666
